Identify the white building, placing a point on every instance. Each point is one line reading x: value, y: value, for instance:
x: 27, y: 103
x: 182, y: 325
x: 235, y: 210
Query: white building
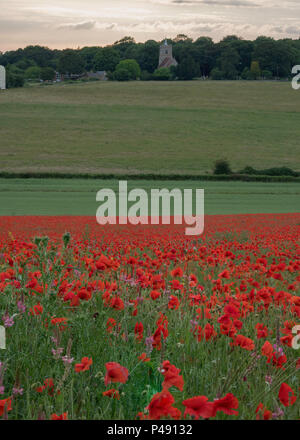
x: 2, y: 78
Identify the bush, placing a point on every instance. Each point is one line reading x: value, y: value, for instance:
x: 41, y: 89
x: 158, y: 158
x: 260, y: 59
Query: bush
x: 47, y: 74
x: 14, y: 80
x: 33, y: 73
x: 162, y: 74
x: 248, y: 170
x: 279, y: 171
x: 131, y: 66
x: 146, y: 76
x: 255, y: 70
x: 266, y: 74
x: 217, y: 74
x: 122, y: 74
x: 178, y: 177
x: 245, y: 73
x: 222, y: 167
x: 187, y: 69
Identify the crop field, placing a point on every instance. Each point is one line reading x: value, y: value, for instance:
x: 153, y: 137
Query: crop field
x: 78, y: 196
x: 137, y: 127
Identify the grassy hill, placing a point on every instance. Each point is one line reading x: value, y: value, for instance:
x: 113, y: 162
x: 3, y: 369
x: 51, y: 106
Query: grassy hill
x: 161, y: 127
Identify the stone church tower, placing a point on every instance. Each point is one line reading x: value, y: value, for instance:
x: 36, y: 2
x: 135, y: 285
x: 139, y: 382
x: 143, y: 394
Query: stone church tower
x: 165, y: 56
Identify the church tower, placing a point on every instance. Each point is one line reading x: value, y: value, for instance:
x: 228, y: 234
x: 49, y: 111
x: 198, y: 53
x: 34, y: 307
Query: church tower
x: 165, y: 56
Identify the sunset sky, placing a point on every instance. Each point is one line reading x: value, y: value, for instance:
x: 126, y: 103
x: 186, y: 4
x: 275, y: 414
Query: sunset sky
x: 77, y: 23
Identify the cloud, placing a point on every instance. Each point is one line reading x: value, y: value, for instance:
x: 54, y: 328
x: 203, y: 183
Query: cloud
x: 290, y: 30
x: 226, y: 3
x: 293, y: 30
x: 70, y: 23
x: 246, y: 3
x: 85, y: 25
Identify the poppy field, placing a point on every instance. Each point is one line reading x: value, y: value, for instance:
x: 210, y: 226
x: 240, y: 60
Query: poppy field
x: 144, y: 322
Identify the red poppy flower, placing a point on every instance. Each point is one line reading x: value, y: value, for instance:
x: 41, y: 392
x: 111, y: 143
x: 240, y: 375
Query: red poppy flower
x: 227, y: 404
x: 84, y: 365
x: 262, y: 331
x: 144, y: 358
x: 243, y: 342
x: 171, y: 375
x: 115, y: 373
x: 48, y: 384
x: 116, y: 303
x: 232, y: 311
x: 138, y: 331
x: 5, y: 404
x: 37, y: 309
x: 63, y: 416
x: 199, y: 407
x: 112, y: 393
x: 177, y: 272
x: 173, y: 302
x: 161, y: 405
x: 110, y: 324
x: 267, y: 350
x: 263, y: 413
x: 224, y: 274
x: 286, y: 395
x: 209, y: 332
x: 155, y: 294
x: 60, y: 322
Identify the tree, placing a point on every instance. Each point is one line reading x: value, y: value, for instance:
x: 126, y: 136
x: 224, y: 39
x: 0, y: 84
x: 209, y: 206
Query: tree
x: 255, y: 69
x: 232, y: 57
x: 204, y: 54
x: 148, y: 54
x: 47, y: 74
x: 14, y: 79
x: 182, y: 37
x: 222, y: 167
x: 24, y: 63
x: 146, y: 76
x: 217, y: 74
x: 246, y: 74
x: 124, y: 45
x: 276, y: 56
x: 88, y: 55
x: 39, y: 54
x: 106, y: 59
x: 70, y: 62
x: 183, y: 49
x: 187, y: 69
x: 228, y: 62
x: 122, y: 74
x: 131, y: 66
x: 266, y: 74
x: 33, y: 72
x: 162, y: 74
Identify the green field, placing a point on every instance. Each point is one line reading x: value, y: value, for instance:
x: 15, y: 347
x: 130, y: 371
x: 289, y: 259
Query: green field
x: 161, y: 127
x: 78, y: 197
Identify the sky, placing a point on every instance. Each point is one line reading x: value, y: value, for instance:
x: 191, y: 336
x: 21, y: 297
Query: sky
x: 77, y: 23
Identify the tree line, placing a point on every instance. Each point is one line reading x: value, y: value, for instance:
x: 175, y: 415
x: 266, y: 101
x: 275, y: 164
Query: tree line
x: 231, y: 58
